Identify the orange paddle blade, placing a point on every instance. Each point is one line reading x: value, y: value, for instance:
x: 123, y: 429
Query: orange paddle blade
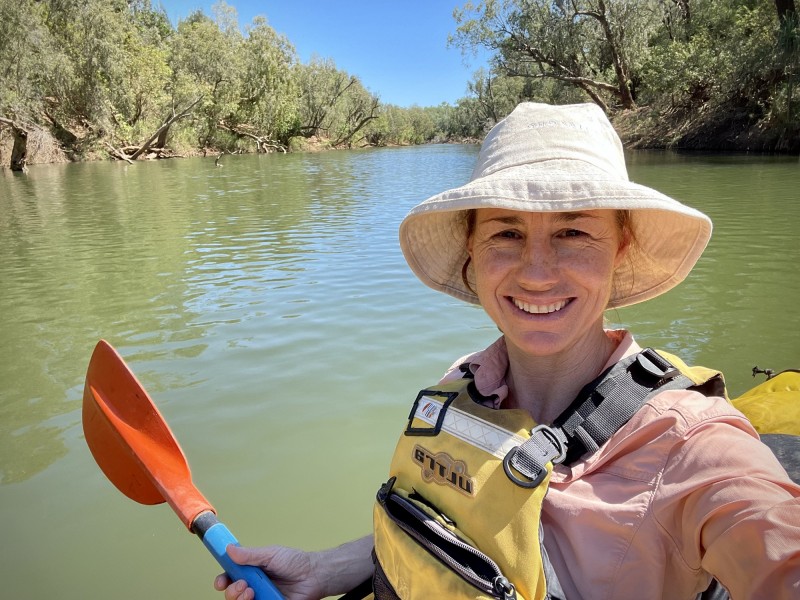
x: 130, y: 440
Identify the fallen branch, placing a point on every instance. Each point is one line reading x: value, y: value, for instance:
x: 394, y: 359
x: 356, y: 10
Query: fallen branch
x: 262, y: 142
x: 117, y: 153
x: 175, y: 116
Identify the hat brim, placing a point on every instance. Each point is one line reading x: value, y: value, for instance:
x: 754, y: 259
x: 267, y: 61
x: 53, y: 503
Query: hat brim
x: 669, y: 236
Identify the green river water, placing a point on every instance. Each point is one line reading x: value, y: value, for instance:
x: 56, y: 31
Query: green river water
x: 266, y: 308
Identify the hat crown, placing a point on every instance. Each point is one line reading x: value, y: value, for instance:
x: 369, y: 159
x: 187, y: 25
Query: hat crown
x: 550, y: 135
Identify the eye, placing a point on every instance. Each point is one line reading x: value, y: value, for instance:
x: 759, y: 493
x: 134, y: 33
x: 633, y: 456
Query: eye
x: 573, y: 233
x: 508, y: 234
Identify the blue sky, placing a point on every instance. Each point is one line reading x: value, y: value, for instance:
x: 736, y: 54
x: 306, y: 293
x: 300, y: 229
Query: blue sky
x: 398, y: 48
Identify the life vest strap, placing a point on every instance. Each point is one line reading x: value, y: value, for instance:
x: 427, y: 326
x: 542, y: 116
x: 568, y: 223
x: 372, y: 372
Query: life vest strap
x: 607, y: 403
x: 599, y: 411
x: 545, y: 446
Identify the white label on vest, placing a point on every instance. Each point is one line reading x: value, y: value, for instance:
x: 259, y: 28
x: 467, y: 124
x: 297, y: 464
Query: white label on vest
x: 469, y: 428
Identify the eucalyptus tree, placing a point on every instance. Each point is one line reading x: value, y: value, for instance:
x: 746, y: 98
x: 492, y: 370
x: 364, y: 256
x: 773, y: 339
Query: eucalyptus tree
x: 206, y: 63
x: 96, y: 41
x: 140, y: 98
x: 392, y: 127
x: 333, y: 104
x: 466, y: 120
x: 588, y: 44
x: 354, y: 109
x: 497, y: 94
x: 267, y: 107
x: 24, y: 42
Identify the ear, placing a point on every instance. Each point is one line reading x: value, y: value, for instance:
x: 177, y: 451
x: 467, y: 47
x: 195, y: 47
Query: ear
x: 622, y: 249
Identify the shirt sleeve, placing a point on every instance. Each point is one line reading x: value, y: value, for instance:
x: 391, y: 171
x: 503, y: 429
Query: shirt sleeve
x: 729, y: 506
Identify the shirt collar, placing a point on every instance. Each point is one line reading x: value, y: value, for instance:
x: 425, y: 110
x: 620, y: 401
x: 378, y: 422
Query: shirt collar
x: 489, y: 366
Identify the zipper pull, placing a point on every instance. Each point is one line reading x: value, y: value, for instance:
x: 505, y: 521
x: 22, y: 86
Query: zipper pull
x: 385, y: 490
x: 504, y: 588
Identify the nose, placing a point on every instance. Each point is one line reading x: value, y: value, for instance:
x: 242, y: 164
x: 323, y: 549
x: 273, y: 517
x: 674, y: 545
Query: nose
x: 538, y: 268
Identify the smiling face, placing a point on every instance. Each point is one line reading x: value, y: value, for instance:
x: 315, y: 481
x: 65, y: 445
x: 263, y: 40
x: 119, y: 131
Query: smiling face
x: 545, y: 278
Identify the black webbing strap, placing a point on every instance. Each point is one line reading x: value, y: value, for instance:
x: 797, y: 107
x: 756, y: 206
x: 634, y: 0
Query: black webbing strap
x: 597, y: 413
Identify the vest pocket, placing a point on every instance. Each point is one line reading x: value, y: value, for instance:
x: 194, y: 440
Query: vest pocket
x: 459, y: 556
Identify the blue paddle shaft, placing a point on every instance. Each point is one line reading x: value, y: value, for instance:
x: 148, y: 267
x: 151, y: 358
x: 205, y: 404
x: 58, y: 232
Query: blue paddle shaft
x: 216, y: 538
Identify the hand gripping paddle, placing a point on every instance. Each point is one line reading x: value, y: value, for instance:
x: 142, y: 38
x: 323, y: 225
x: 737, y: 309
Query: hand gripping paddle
x: 136, y: 450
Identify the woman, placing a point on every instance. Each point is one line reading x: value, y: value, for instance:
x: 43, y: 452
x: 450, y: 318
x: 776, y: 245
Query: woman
x: 547, y: 235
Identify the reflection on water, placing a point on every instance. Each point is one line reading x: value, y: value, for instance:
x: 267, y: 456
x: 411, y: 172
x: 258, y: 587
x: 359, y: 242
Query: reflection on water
x: 266, y: 307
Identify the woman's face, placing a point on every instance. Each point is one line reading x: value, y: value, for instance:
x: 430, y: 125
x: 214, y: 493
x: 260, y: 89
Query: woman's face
x: 545, y: 278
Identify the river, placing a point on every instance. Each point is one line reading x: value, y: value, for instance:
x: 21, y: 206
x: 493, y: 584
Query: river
x: 267, y: 309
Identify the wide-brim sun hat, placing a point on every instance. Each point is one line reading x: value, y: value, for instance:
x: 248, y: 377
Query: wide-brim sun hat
x: 545, y: 158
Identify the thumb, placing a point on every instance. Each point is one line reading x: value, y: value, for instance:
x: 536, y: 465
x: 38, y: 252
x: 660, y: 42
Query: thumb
x: 244, y: 555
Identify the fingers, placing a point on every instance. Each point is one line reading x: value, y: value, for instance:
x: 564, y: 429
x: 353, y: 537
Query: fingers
x: 236, y: 590
x: 221, y: 582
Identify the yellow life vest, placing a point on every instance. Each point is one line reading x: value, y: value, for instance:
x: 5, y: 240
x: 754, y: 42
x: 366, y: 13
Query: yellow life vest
x: 460, y: 514
x: 449, y: 490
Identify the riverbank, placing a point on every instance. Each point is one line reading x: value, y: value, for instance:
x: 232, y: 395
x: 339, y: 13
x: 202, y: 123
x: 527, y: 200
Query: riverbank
x: 705, y: 130
x: 641, y: 128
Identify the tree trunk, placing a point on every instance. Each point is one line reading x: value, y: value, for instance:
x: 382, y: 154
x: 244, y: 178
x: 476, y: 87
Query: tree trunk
x: 620, y: 64
x: 162, y: 131
x: 19, y: 153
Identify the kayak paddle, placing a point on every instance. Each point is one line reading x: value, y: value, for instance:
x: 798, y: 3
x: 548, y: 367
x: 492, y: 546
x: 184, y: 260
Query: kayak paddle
x: 136, y: 450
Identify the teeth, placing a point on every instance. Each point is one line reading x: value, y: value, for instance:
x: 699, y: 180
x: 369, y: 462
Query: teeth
x: 540, y: 310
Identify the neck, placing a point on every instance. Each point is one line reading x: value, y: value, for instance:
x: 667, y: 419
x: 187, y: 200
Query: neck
x: 545, y: 386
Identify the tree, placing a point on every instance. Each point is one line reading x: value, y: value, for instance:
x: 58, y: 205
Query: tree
x: 206, y: 62
x: 333, y: 103
x: 497, y: 95
x: 321, y: 86
x: 789, y: 49
x: 356, y: 107
x: 24, y: 44
x: 584, y: 43
x: 268, y: 95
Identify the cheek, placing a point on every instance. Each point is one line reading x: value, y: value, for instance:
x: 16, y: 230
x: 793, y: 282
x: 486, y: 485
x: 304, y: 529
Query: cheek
x: 490, y: 263
x: 601, y: 273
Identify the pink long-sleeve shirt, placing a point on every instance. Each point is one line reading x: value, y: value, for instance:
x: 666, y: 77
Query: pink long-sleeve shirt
x: 683, y: 492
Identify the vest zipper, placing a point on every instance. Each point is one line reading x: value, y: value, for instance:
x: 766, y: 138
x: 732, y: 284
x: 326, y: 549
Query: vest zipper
x: 472, y: 565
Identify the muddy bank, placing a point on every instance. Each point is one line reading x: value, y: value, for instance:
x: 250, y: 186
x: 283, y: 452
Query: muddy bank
x: 706, y: 130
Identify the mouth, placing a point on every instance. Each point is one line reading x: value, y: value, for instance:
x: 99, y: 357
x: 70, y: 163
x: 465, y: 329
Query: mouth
x: 540, y: 309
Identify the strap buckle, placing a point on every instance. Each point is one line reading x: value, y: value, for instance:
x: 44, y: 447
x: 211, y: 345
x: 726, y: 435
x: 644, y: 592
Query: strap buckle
x: 530, y: 459
x: 655, y: 365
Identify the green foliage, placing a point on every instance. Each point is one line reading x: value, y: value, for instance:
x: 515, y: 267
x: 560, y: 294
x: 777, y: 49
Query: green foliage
x: 117, y: 71
x: 268, y: 98
x: 729, y: 67
x: 719, y: 69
